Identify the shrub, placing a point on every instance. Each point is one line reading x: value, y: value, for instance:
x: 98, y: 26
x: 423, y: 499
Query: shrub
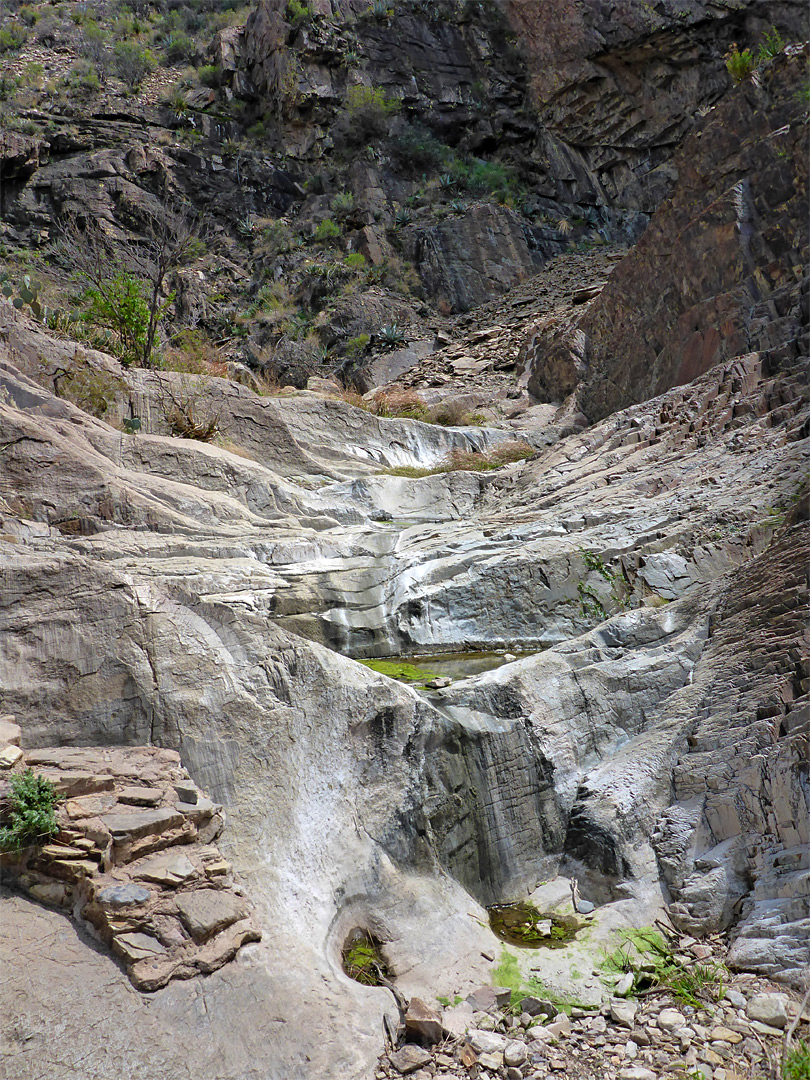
x: 209, y: 75
x: 93, y: 389
x: 368, y: 112
x: 133, y: 63
x: 297, y: 12
x: 121, y: 307
x: 740, y: 64
x: 796, y: 1065
x: 417, y: 150
x: 343, y: 204
x: 355, y: 346
x: 771, y: 46
x: 326, y: 231
x: 11, y: 38
x: 355, y: 261
x: 32, y: 812
x: 469, y: 461
x: 405, y: 404
x: 177, y: 46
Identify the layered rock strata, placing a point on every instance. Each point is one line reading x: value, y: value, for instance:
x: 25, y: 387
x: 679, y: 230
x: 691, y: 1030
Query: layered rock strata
x: 134, y: 859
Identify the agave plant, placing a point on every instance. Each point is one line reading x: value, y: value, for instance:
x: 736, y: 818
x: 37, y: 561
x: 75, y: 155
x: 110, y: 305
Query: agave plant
x: 391, y: 335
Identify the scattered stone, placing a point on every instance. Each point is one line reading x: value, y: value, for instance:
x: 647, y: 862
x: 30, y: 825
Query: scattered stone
x: 536, y: 1007
x: 724, y: 1034
x: 768, y: 1009
x: 735, y: 998
x: 623, y: 1011
x: 422, y: 1023
x: 624, y: 985
x: 186, y: 793
x: 135, y: 946
x: 168, y: 868
x: 490, y: 1061
x: 485, y: 998
x: 486, y: 1042
x: 515, y: 1053
x: 140, y: 796
x: 458, y: 1019
x: 409, y: 1059
x: 636, y: 1072
x: 438, y: 683
x: 670, y: 1020
x: 10, y: 756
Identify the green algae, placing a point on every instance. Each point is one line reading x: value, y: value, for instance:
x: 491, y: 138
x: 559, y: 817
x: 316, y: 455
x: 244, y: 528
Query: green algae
x: 362, y: 960
x: 523, y: 925
x: 400, y: 669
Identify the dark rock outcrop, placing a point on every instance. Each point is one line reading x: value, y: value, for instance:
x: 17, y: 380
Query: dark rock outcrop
x: 721, y: 270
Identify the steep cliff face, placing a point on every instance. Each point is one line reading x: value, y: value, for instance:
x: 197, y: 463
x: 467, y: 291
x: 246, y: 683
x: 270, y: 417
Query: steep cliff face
x: 202, y: 605
x: 728, y: 255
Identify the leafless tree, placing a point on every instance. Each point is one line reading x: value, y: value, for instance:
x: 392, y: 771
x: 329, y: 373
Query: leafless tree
x: 166, y: 243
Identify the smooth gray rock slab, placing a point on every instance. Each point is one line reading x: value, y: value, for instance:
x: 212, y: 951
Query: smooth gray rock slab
x: 137, y: 946
x: 118, y: 896
x: 140, y: 796
x: 168, y: 868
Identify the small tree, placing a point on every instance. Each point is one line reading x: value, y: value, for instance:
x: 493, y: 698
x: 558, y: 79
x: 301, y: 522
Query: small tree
x: 32, y: 812
x: 131, y: 300
x: 133, y: 63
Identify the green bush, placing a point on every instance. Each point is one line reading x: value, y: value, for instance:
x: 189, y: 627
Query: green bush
x: 209, y: 75
x: 32, y: 812
x: 122, y: 308
x: 297, y: 12
x: 11, y: 38
x: 771, y: 46
x: 367, y: 114
x: 417, y: 150
x: 356, y: 346
x: 355, y: 261
x: 133, y: 63
x: 177, y: 47
x: 326, y: 231
x: 740, y: 64
x: 343, y: 204
x: 796, y: 1065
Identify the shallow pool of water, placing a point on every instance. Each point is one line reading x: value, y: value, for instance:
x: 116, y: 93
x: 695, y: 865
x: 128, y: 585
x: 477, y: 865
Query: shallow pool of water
x: 424, y: 667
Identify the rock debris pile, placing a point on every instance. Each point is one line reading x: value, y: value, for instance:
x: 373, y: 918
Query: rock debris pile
x: 134, y: 859
x: 654, y: 1038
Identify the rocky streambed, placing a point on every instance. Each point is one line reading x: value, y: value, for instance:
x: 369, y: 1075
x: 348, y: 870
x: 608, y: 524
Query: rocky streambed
x: 650, y: 743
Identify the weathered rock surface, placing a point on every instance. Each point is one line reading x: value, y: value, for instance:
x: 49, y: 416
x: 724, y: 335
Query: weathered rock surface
x: 170, y: 616
x: 93, y: 866
x: 740, y: 201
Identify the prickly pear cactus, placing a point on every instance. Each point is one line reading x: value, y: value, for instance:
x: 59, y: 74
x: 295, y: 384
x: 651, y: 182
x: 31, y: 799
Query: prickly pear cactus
x: 26, y: 294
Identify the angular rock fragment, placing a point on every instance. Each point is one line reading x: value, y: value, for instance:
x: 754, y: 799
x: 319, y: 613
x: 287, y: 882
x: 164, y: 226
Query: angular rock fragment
x: 206, y: 911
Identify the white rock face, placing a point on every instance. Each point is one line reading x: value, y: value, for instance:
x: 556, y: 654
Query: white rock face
x: 159, y: 591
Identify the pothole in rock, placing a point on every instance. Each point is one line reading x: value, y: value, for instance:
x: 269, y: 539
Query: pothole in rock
x: 433, y: 671
x: 363, y: 960
x: 524, y: 925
